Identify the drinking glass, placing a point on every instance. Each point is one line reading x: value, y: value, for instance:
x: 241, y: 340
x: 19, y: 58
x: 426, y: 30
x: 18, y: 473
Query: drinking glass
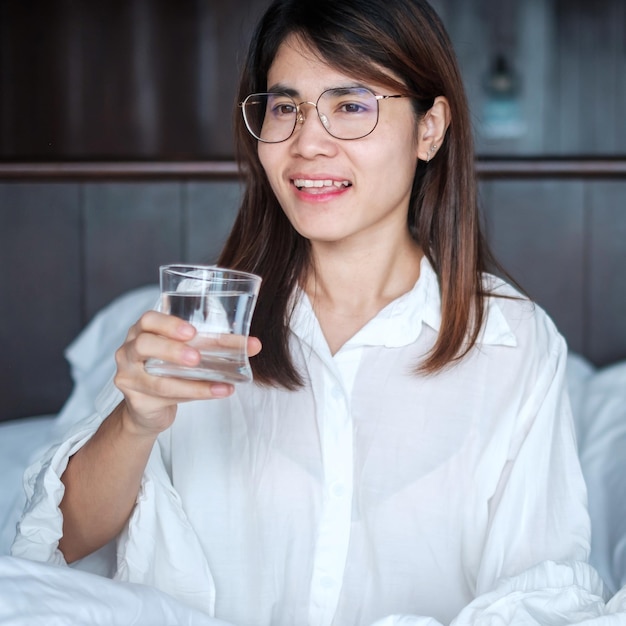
x: 219, y: 302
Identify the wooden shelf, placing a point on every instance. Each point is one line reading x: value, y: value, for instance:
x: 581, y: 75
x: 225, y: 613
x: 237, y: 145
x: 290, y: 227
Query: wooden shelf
x: 119, y: 170
x: 488, y: 168
x: 552, y: 167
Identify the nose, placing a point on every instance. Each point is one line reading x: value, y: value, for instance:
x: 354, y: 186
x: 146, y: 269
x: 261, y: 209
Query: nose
x: 312, y: 139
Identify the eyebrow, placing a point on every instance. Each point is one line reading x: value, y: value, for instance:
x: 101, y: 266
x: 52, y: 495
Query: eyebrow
x: 290, y: 91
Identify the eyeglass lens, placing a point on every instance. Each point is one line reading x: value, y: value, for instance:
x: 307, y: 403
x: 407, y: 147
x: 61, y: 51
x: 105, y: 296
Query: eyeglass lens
x: 346, y: 113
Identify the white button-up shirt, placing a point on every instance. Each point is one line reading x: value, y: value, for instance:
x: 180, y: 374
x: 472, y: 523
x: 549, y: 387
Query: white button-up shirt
x: 372, y: 491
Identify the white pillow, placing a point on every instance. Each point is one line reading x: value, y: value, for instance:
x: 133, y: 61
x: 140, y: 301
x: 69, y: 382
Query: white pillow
x: 603, y: 460
x: 92, y: 354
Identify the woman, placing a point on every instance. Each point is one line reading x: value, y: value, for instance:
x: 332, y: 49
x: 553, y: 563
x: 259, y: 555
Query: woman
x: 408, y: 443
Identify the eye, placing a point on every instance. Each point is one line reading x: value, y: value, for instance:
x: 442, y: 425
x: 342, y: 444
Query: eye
x: 285, y: 109
x: 282, y: 108
x: 352, y: 107
x: 349, y: 102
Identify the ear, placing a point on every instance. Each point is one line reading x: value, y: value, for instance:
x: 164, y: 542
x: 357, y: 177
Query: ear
x: 432, y: 129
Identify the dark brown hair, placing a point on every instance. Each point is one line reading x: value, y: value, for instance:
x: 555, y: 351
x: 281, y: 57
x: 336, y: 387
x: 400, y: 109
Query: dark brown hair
x: 359, y: 37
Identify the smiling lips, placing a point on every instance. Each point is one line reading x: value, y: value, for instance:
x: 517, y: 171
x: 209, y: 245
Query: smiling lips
x: 320, y: 185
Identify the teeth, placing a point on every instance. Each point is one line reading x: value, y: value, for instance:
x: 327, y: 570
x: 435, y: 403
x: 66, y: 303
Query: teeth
x: 305, y: 182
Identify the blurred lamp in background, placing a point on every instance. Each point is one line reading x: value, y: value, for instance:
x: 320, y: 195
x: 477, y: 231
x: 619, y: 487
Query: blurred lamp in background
x: 502, y: 116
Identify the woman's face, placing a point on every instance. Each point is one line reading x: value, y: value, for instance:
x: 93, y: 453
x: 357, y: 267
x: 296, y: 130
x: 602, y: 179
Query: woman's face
x: 367, y: 182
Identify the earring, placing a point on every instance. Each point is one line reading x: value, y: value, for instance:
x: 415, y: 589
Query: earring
x: 431, y: 152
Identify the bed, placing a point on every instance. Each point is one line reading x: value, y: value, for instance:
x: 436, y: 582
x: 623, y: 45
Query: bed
x: 31, y: 593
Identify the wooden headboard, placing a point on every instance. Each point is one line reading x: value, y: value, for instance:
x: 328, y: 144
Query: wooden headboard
x: 75, y: 236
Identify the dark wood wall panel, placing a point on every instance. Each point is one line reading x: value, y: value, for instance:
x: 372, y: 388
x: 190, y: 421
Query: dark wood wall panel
x: 41, y: 286
x: 607, y: 272
x: 536, y: 230
x: 590, y: 56
x: 110, y: 79
x: 130, y: 229
x: 210, y: 212
x: 156, y: 79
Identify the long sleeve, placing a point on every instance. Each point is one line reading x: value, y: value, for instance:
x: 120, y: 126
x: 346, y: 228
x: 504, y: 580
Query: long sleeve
x: 539, y: 509
x: 548, y: 594
x: 533, y: 569
x: 41, y: 526
x: 156, y: 542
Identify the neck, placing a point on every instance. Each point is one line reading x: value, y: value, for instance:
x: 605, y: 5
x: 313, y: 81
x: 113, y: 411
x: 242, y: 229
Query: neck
x: 348, y: 286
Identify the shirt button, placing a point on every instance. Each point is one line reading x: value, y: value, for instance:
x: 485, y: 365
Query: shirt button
x: 336, y: 393
x: 338, y: 490
x: 327, y: 582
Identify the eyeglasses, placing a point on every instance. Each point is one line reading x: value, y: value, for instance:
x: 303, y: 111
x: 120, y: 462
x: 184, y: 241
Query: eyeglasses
x: 345, y: 113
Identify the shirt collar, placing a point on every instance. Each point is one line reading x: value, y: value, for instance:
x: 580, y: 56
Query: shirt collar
x: 400, y: 322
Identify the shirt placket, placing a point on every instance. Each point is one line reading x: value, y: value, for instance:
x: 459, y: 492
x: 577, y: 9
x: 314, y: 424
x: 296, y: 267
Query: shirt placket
x: 334, y: 526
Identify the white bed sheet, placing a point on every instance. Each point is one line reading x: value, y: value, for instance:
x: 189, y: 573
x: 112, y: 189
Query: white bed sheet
x: 36, y: 594
x: 32, y: 593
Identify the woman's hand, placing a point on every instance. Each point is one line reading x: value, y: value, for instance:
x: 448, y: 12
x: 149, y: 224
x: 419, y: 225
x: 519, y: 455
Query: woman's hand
x: 151, y: 401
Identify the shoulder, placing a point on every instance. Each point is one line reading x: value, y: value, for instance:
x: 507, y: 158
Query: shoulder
x: 531, y: 330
